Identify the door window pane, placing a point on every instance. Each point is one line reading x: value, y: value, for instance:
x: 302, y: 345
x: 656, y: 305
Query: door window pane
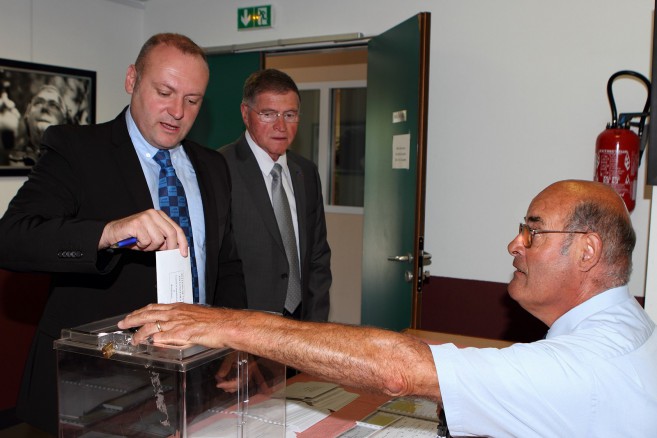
x: 331, y: 133
x: 347, y: 146
x: 306, y: 143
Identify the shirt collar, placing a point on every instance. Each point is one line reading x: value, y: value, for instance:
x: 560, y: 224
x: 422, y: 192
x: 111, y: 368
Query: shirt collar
x: 265, y: 162
x: 567, y: 322
x: 143, y: 148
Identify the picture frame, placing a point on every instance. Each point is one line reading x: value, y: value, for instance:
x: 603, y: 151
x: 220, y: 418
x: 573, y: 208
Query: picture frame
x: 34, y: 96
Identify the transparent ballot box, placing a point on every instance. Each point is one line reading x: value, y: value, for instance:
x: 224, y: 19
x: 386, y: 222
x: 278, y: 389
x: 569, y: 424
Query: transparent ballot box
x: 108, y: 387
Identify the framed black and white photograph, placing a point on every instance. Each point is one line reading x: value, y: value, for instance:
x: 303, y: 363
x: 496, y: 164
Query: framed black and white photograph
x: 33, y: 97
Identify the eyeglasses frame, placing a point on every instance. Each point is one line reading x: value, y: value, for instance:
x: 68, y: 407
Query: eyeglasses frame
x: 278, y: 115
x: 532, y: 232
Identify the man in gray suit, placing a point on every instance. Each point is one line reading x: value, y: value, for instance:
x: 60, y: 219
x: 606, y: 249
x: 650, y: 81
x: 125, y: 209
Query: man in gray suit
x: 270, y: 110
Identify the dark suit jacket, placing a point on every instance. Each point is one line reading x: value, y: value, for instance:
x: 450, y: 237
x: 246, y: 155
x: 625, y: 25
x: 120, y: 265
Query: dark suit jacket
x: 86, y: 177
x: 259, y: 241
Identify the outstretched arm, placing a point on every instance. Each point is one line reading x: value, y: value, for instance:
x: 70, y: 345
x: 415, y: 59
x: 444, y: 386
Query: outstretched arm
x: 362, y: 357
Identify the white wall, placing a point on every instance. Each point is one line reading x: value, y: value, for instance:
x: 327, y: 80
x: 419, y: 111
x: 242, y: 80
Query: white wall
x: 98, y: 35
x: 517, y: 98
x: 517, y: 91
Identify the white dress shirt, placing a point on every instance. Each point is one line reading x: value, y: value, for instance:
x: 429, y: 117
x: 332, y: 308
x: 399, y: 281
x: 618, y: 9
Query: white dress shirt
x: 595, y: 375
x: 266, y: 164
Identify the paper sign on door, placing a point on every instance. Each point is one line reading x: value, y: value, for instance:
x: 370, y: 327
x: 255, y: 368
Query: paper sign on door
x: 401, y: 151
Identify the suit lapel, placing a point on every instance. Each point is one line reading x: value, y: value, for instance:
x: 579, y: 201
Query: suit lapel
x: 300, y: 198
x: 206, y: 186
x: 128, y: 165
x: 255, y: 184
x: 209, y: 200
x: 202, y: 178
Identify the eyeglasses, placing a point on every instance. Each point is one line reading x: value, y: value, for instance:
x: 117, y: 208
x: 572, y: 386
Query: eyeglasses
x: 272, y: 116
x: 529, y: 233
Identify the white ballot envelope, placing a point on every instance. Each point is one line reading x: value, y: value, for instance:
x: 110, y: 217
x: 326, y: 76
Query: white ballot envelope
x: 174, y: 277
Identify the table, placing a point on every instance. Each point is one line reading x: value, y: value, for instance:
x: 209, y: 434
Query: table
x: 345, y: 418
x: 458, y: 340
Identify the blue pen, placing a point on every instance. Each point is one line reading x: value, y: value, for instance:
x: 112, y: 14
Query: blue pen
x: 125, y: 242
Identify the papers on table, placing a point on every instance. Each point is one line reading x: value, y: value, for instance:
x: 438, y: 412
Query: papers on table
x: 252, y: 423
x: 408, y: 427
x: 400, y: 417
x: 299, y: 416
x: 308, y: 391
x: 412, y: 407
x: 319, y: 394
x: 308, y: 403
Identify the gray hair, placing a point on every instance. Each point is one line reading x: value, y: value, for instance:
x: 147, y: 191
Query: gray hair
x: 267, y: 80
x: 615, y: 231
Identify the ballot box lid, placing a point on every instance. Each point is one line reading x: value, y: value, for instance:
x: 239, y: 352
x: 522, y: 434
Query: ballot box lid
x: 105, y: 338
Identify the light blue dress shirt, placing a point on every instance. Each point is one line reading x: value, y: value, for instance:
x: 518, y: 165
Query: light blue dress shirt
x: 187, y: 176
x: 595, y: 375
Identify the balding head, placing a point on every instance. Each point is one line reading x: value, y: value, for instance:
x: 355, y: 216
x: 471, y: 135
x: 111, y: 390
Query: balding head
x: 576, y: 242
x: 589, y: 191
x: 596, y: 207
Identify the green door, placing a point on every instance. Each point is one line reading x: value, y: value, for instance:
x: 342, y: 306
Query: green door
x: 220, y: 121
x: 395, y: 149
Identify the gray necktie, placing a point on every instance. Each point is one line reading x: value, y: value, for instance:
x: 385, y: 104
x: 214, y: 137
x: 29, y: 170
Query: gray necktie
x: 285, y: 226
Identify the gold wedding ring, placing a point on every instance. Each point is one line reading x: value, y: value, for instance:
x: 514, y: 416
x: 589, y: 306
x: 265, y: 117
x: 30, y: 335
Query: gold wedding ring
x: 157, y: 323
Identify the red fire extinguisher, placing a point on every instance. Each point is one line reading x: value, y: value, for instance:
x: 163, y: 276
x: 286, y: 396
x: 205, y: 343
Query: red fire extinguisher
x: 618, y: 149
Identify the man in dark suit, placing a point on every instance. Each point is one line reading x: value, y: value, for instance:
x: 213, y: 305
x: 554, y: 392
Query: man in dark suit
x: 97, y: 185
x: 270, y: 111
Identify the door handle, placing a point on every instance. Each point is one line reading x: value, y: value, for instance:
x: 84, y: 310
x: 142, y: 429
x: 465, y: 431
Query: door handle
x: 426, y: 258
x: 408, y: 276
x: 403, y: 258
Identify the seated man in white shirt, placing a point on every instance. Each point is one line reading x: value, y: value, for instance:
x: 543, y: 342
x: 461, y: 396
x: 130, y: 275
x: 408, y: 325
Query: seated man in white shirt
x: 594, y: 374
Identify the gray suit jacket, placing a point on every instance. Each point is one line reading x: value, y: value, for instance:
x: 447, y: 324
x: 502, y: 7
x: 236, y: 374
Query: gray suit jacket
x: 259, y: 243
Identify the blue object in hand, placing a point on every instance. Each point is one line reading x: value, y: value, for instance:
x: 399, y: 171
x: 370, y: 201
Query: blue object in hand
x: 125, y: 242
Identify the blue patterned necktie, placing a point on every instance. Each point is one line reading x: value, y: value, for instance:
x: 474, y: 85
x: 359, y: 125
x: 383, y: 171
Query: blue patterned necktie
x: 286, y: 228
x: 174, y: 203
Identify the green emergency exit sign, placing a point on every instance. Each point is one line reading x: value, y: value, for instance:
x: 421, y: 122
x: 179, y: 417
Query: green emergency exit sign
x: 255, y: 17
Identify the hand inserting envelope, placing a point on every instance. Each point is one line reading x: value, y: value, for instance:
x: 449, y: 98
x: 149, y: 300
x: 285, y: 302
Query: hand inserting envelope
x: 174, y: 277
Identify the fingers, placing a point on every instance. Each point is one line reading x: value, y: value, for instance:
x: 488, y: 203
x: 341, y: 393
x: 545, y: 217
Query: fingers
x: 159, y: 332
x: 153, y: 229
x: 179, y: 323
x: 231, y: 383
x: 226, y: 375
x: 227, y: 365
x: 149, y: 314
x: 163, y: 323
x: 180, y: 240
